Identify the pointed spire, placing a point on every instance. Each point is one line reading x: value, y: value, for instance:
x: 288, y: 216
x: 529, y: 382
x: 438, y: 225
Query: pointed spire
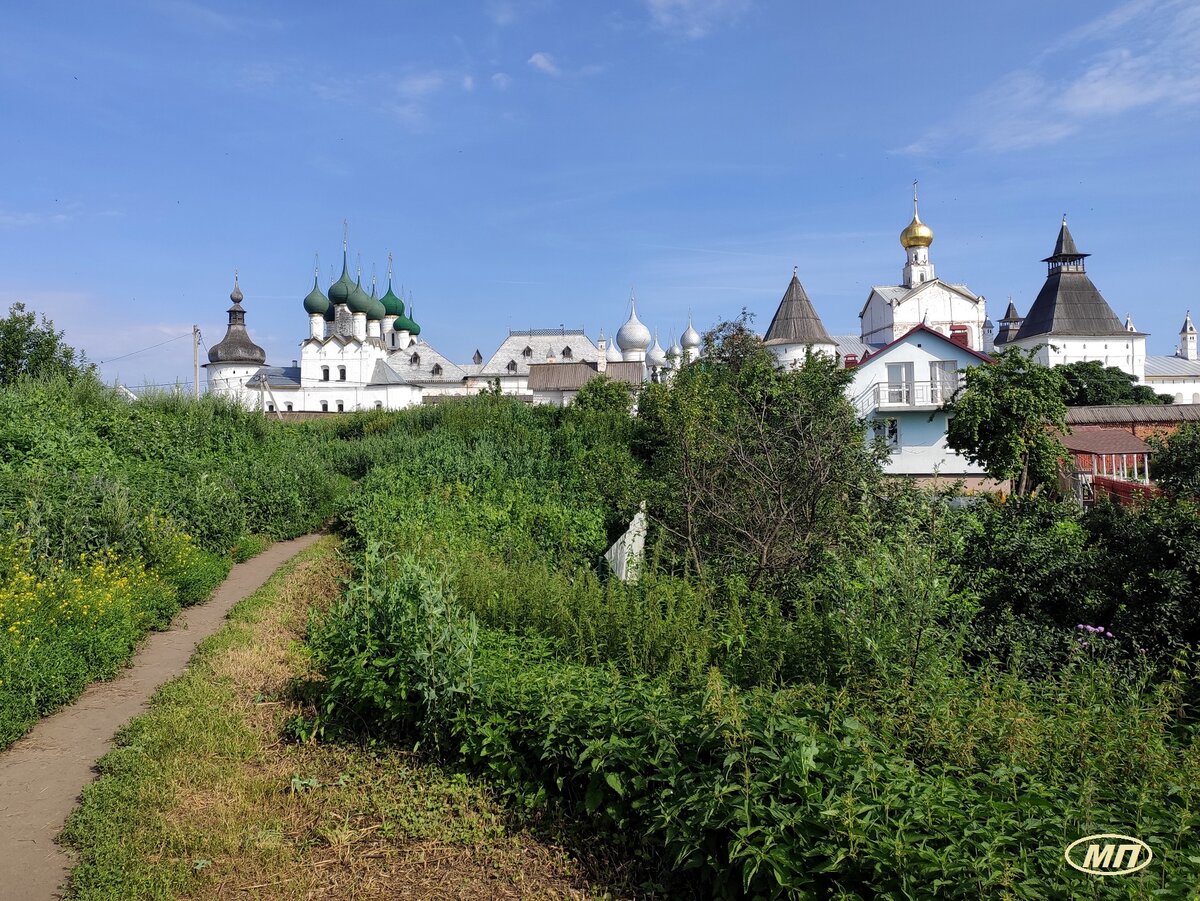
x: 1065, y: 249
x: 236, y: 294
x: 796, y: 320
x: 1129, y: 326
x: 1188, y: 327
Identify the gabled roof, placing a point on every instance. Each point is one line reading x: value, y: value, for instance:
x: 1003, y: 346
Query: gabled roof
x: 1070, y: 305
x: 383, y: 374
x: 852, y: 344
x: 541, y: 342
x: 795, y: 321
x: 876, y: 354
x: 572, y: 376
x: 900, y: 293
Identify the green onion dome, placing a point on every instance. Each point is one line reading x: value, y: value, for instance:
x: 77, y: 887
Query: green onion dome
x: 339, y: 291
x: 378, y: 310
x: 416, y: 329
x: 392, y: 304
x: 316, y: 302
x: 404, y: 324
x: 359, y: 300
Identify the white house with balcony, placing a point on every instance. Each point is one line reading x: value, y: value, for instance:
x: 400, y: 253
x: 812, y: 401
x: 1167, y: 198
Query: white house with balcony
x: 900, y: 388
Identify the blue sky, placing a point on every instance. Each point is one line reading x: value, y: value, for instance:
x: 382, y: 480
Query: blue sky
x: 528, y: 161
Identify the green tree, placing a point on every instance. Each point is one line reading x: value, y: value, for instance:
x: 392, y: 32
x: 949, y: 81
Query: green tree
x: 1176, y: 462
x: 603, y: 395
x: 1005, y: 417
x: 32, y: 348
x: 760, y: 469
x: 1091, y: 383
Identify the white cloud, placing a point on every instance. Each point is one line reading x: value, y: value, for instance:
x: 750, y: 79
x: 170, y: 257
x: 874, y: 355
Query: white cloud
x: 421, y: 84
x: 500, y: 81
x: 544, y: 63
x: 468, y: 83
x: 501, y: 13
x: 26, y: 219
x: 1141, y: 56
x: 694, y: 19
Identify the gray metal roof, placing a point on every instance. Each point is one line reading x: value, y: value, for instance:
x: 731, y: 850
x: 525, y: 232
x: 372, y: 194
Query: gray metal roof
x: 422, y: 371
x: 541, y: 342
x: 795, y: 321
x: 1176, y: 367
x: 383, y: 374
x: 276, y: 377
x: 1070, y: 305
x: 852, y: 344
x: 1127, y: 414
x: 572, y: 376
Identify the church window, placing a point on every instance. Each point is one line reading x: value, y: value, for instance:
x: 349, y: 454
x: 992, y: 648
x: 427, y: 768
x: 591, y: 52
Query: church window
x: 378, y: 405
x: 324, y: 406
x: 415, y: 359
x: 270, y: 408
x: 437, y: 369
x: 512, y: 366
x: 341, y: 407
x: 341, y: 373
x: 566, y: 353
x: 289, y: 408
x: 527, y: 352
x: 324, y: 373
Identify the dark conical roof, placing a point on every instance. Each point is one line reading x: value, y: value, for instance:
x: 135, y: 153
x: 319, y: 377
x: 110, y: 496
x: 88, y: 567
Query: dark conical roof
x: 1064, y: 248
x: 1011, y: 314
x: 1069, y: 304
x: 236, y: 346
x: 796, y: 322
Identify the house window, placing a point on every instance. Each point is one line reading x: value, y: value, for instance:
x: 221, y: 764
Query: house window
x: 943, y: 380
x: 341, y: 373
x: 341, y: 407
x: 324, y: 373
x: 289, y: 408
x: 324, y: 406
x: 512, y: 366
x: 437, y: 369
x: 566, y: 353
x: 887, y: 431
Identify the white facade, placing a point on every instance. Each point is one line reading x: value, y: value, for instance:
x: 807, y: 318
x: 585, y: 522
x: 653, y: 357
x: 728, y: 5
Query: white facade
x: 893, y: 310
x: 1125, y: 352
x: 899, y: 390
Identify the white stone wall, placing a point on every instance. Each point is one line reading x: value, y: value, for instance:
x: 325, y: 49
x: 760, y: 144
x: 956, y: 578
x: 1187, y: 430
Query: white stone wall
x: 934, y: 303
x: 1126, y: 352
x: 794, y: 354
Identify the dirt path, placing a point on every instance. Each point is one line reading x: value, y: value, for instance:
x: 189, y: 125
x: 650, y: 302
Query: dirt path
x: 42, y: 775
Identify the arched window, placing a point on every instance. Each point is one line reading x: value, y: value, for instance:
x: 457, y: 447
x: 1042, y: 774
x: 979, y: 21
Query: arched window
x: 512, y: 366
x: 415, y: 359
x: 566, y: 353
x: 341, y: 373
x: 437, y: 369
x: 527, y: 352
x: 289, y: 408
x: 341, y: 407
x: 324, y: 406
x: 324, y: 373
x: 378, y: 405
x: 270, y: 408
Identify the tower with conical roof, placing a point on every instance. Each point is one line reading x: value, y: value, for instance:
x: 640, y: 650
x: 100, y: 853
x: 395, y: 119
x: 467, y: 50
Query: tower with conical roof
x: 1187, y: 339
x: 1071, y: 322
x: 234, y: 359
x: 1010, y: 324
x: 796, y: 329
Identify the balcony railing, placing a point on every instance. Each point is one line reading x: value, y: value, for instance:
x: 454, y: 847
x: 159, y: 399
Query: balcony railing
x: 899, y: 396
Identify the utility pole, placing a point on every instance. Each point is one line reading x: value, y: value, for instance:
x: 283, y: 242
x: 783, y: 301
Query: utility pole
x: 196, y: 361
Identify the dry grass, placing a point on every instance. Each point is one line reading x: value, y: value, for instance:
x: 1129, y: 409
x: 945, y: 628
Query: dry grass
x: 203, y: 799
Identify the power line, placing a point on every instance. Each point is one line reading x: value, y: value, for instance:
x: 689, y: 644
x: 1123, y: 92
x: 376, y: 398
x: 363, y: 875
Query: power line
x: 144, y: 349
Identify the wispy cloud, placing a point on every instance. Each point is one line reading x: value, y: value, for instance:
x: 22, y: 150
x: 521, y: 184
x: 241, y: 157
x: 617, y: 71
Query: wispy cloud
x: 544, y: 63
x: 500, y: 81
x: 193, y: 14
x: 1140, y: 56
x: 693, y: 19
x: 30, y: 218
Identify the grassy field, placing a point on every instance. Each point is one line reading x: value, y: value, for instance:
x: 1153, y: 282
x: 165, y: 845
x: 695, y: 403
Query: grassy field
x: 202, y: 799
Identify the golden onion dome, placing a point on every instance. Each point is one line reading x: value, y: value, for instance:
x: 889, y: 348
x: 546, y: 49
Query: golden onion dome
x: 917, y: 234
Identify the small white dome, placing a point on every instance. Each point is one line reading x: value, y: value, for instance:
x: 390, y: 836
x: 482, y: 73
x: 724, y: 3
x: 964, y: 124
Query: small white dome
x: 690, y: 338
x: 675, y: 353
x: 655, y: 355
x: 633, y: 335
x: 612, y: 353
